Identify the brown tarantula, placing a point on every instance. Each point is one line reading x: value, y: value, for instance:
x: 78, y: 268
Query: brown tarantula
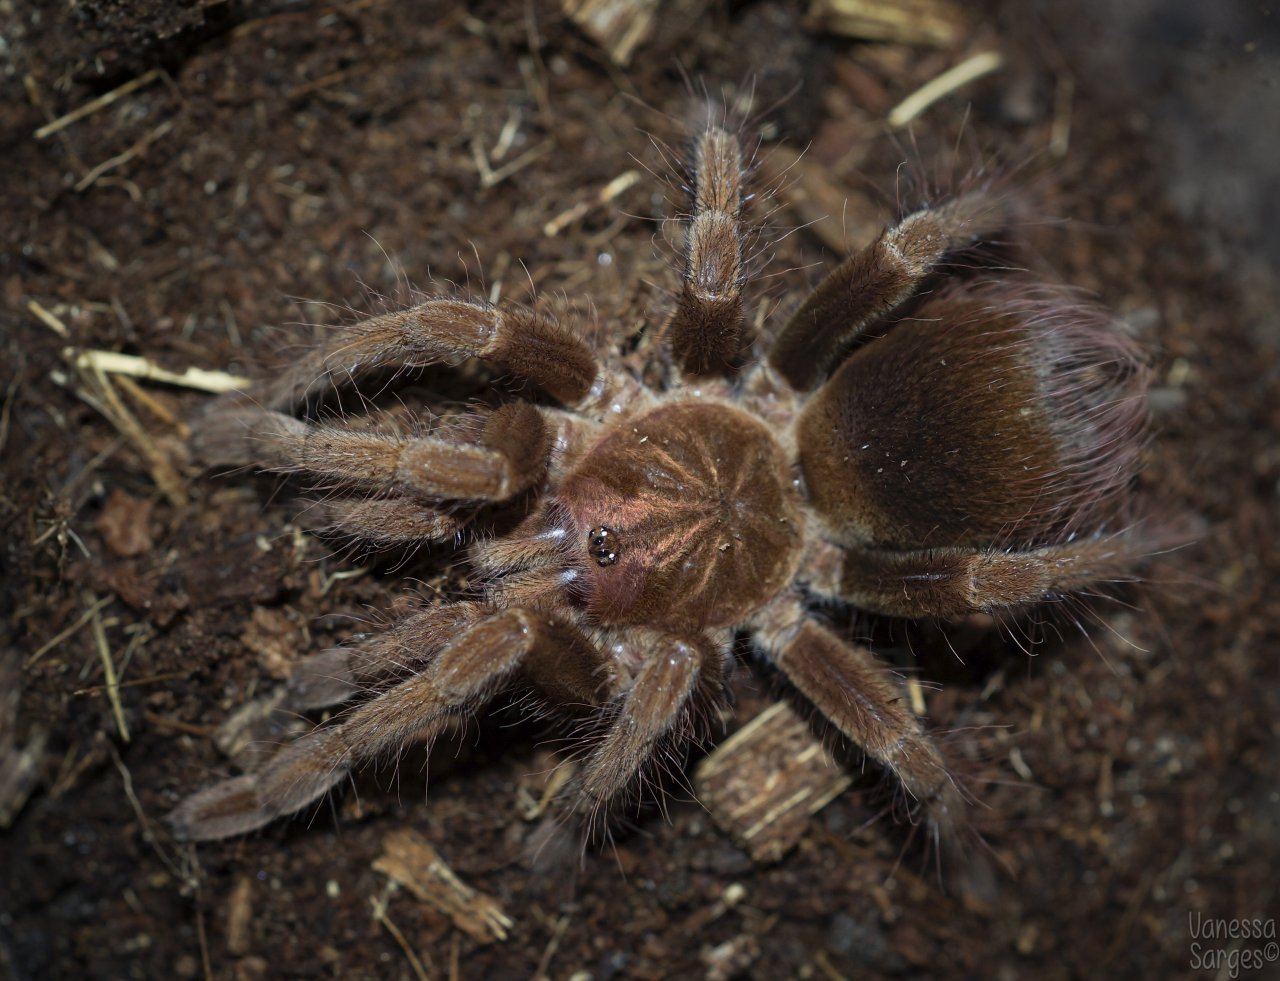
x: 972, y: 456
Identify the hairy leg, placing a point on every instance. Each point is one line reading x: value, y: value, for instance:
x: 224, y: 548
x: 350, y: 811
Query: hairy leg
x: 386, y: 521
x: 464, y: 674
x: 859, y: 292
x: 854, y: 691
x: 948, y: 582
x: 680, y: 675
x: 511, y: 454
x: 337, y: 675
x: 706, y: 328
x: 525, y: 342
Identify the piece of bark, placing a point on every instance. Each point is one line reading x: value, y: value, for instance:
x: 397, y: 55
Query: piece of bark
x: 409, y: 859
x: 125, y: 524
x: 764, y: 783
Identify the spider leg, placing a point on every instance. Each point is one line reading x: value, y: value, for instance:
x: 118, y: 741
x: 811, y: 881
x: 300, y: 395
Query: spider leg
x: 388, y: 521
x: 511, y: 455
x: 333, y: 676
x: 526, y: 342
x: 950, y: 582
x: 854, y: 691
x: 706, y: 327
x: 659, y: 706
x: 859, y: 292
x: 462, y: 676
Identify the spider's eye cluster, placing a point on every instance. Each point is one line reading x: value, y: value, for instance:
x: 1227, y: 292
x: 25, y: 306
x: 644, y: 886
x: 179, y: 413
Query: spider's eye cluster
x: 604, y: 545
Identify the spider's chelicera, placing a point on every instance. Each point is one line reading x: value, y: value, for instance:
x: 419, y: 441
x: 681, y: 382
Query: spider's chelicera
x: 972, y: 456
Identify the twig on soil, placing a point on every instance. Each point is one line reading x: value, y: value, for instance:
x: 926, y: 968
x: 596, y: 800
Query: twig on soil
x: 952, y: 79
x: 108, y: 669
x: 764, y: 783
x: 409, y: 859
x: 177, y: 725
x: 93, y: 105
x: 7, y: 411
x: 144, y: 823
x: 239, y: 915
x: 203, y: 940
x: 96, y: 390
x: 48, y: 319
x: 324, y: 81
x: 490, y: 178
x: 89, y: 179
x: 1060, y: 133
x: 62, y: 635
x: 828, y: 971
x: 114, y: 363
x: 932, y: 22
x: 606, y: 194
x: 153, y: 405
x: 619, y: 28
x: 380, y: 915
x: 154, y: 679
x: 557, y: 934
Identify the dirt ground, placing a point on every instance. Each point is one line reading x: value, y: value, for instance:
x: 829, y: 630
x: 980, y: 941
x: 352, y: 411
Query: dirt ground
x: 295, y: 163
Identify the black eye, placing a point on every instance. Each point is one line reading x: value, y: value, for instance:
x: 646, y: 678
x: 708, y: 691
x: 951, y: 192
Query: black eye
x: 603, y: 545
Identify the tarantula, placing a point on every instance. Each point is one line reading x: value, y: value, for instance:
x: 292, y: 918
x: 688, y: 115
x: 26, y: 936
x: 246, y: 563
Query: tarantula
x: 913, y: 443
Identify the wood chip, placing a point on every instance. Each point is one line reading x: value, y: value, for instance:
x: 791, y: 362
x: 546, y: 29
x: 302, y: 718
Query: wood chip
x: 125, y: 524
x: 276, y: 640
x: 763, y: 784
x: 409, y: 859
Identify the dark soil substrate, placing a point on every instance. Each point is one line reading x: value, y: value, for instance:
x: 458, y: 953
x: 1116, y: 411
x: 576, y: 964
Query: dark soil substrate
x: 295, y: 163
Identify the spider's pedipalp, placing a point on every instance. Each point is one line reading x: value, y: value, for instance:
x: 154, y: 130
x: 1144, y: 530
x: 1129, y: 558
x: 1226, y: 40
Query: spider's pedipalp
x: 707, y: 326
x: 868, y: 285
x: 526, y: 342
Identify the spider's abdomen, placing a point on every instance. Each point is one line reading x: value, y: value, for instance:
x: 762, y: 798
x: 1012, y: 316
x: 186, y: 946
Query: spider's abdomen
x: 997, y: 414
x: 686, y: 516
